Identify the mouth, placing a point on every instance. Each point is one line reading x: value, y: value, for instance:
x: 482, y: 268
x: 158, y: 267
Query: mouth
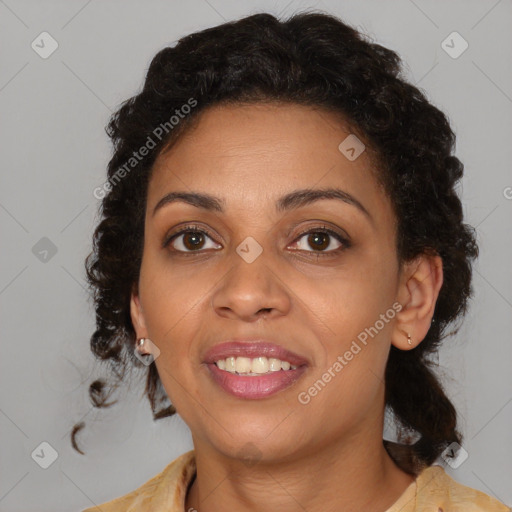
x: 254, y: 369
x: 252, y: 385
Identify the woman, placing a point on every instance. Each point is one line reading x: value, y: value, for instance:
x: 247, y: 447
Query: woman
x: 283, y: 247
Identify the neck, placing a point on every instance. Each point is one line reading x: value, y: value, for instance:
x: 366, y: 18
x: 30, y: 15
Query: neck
x: 352, y: 475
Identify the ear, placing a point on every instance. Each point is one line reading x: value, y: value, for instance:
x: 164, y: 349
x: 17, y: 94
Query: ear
x: 420, y: 282
x: 137, y: 314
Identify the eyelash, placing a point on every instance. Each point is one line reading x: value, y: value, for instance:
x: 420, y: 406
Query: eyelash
x: 192, y: 228
x: 345, y: 244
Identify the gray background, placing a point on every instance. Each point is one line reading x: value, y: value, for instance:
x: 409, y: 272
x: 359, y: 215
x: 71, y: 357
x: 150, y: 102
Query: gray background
x: 54, y: 153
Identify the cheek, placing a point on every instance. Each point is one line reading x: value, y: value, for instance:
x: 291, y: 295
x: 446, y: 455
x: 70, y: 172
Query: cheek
x: 170, y: 294
x: 174, y: 305
x: 354, y: 299
x: 350, y: 375
x: 356, y: 307
x: 174, y: 313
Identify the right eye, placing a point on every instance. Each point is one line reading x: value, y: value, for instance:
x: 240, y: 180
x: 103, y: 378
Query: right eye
x: 189, y: 239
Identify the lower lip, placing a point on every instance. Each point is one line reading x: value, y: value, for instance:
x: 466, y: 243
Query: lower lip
x: 255, y: 387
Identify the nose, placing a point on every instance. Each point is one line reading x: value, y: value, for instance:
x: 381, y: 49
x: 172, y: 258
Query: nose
x: 250, y: 291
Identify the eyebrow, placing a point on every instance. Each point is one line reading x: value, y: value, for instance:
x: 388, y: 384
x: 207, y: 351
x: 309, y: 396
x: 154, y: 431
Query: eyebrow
x: 290, y: 201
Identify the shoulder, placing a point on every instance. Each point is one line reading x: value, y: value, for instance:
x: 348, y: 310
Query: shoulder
x: 163, y: 492
x: 435, y: 488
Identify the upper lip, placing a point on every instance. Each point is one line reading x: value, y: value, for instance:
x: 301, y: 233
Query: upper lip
x: 252, y: 348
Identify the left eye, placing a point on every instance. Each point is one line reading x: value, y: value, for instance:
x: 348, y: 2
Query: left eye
x: 320, y: 241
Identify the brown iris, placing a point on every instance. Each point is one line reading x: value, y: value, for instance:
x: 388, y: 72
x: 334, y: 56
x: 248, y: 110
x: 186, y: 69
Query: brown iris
x: 196, y: 240
x: 316, y: 239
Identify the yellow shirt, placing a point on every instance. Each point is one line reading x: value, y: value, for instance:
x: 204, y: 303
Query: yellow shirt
x: 432, y: 491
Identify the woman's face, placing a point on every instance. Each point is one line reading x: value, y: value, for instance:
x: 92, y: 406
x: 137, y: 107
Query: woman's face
x: 312, y: 294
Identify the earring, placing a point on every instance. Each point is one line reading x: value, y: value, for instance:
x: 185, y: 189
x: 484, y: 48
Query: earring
x: 140, y: 345
x: 409, y: 340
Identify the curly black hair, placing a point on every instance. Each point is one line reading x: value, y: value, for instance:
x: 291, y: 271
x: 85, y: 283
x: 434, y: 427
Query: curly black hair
x: 310, y: 59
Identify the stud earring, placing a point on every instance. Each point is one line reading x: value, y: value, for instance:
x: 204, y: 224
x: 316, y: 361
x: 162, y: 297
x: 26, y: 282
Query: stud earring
x: 140, y: 345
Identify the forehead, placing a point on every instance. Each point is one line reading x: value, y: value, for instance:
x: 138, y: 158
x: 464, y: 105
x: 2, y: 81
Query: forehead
x: 252, y: 154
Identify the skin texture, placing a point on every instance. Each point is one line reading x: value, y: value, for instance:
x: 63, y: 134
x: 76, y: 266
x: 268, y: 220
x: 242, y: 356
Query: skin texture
x: 250, y: 156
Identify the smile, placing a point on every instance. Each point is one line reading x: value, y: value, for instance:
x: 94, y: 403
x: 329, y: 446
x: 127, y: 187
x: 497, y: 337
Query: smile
x: 251, y: 385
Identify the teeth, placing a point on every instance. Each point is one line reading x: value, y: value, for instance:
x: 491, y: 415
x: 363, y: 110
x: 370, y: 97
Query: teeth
x: 230, y: 364
x: 260, y: 365
x: 274, y: 365
x: 243, y: 364
x: 253, y: 366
